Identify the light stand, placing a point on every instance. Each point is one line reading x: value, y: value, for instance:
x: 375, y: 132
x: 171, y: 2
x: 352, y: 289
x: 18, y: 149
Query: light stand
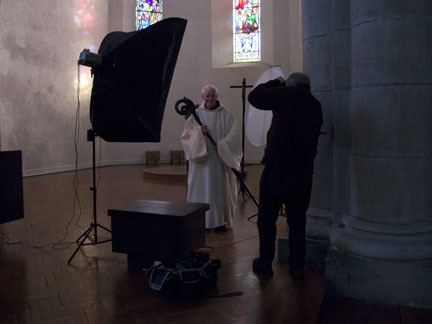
x: 130, y: 90
x: 242, y: 172
x: 91, y: 136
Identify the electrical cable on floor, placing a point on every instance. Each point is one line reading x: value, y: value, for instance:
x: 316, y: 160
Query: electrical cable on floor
x: 231, y: 294
x: 76, y: 202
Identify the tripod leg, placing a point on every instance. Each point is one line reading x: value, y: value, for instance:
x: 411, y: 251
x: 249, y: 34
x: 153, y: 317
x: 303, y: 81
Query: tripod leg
x: 244, y: 195
x: 85, y: 236
x: 106, y: 229
x: 244, y: 186
x: 250, y: 217
x: 242, y: 191
x: 86, y: 233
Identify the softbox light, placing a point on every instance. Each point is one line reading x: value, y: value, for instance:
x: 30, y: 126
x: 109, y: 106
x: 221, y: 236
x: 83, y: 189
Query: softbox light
x: 131, y: 86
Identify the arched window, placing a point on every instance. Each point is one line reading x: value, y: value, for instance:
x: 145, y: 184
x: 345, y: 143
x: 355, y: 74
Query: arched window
x: 148, y: 12
x: 246, y: 31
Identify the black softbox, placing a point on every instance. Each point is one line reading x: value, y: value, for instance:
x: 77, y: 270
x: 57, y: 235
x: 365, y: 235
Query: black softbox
x: 131, y: 86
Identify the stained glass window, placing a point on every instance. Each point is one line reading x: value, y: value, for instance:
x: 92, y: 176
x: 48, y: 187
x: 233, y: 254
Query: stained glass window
x: 148, y: 12
x: 246, y: 30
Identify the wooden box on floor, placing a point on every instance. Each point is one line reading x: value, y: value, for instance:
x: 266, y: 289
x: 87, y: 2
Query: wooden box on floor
x: 149, y: 230
x: 177, y: 157
x: 152, y: 157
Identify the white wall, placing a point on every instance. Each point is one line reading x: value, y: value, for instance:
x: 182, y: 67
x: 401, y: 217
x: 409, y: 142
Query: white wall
x: 40, y: 42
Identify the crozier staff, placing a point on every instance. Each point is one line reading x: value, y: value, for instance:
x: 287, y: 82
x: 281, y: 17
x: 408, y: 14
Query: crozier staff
x: 288, y: 165
x: 210, y: 178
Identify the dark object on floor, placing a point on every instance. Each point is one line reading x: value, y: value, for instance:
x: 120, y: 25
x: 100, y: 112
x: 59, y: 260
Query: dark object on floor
x: 188, y: 277
x: 11, y: 186
x: 150, y: 230
x: 222, y: 228
x: 297, y: 273
x: 263, y: 268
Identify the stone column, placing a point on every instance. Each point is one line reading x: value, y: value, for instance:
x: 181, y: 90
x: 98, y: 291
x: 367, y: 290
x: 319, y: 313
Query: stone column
x: 324, y: 61
x: 382, y: 250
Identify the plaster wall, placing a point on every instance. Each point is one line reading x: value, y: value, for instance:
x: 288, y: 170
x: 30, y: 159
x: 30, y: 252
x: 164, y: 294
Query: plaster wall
x: 40, y: 42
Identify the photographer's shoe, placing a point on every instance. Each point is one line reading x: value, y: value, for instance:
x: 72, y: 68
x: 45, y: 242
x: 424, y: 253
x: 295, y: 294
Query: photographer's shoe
x: 262, y: 268
x: 222, y: 228
x: 297, y: 273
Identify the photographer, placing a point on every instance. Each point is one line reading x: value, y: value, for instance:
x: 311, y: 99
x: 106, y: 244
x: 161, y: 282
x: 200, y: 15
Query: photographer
x: 288, y: 166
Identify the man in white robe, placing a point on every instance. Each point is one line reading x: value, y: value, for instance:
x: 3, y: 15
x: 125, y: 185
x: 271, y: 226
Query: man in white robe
x: 210, y: 178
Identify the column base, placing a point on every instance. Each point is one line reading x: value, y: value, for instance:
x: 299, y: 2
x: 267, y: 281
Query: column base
x: 317, y: 236
x: 388, y: 282
x: 315, y: 249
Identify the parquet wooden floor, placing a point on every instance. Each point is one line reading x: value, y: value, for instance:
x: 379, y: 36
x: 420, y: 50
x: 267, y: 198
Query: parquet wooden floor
x: 38, y: 286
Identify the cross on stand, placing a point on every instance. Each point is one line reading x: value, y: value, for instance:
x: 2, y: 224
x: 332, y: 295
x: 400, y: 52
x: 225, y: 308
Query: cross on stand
x: 243, y: 87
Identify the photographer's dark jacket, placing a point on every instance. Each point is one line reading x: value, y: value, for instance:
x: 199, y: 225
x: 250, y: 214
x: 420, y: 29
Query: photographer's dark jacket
x: 293, y: 135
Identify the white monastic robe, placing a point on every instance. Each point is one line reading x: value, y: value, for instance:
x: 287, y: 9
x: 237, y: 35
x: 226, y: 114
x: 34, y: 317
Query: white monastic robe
x: 210, y: 178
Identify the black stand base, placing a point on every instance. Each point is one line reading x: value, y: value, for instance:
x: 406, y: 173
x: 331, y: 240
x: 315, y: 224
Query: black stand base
x: 242, y: 189
x: 250, y: 217
x: 86, y: 236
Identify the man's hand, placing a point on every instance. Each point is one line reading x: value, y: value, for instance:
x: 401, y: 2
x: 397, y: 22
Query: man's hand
x: 204, y: 129
x: 281, y: 80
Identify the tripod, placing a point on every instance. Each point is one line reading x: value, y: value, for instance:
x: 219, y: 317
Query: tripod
x: 91, y: 136
x: 242, y: 173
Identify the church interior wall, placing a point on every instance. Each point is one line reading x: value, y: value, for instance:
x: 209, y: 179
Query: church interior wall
x: 347, y: 59
x: 40, y: 42
x: 39, y: 46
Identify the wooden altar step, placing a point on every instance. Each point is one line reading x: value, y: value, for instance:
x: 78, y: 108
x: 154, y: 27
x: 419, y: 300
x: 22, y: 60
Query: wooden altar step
x: 166, y: 172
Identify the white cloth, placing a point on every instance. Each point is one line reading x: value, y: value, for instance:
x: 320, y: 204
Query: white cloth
x: 193, y: 142
x: 211, y: 180
x: 257, y: 121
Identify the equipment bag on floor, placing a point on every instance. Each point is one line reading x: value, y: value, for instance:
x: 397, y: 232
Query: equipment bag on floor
x: 187, y: 277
